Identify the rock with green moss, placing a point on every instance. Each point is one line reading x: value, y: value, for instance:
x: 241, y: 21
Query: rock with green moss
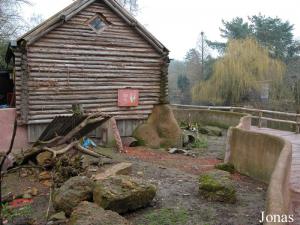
x: 87, y: 213
x: 72, y: 192
x: 210, y: 130
x: 123, y: 193
x: 217, y: 186
x: 226, y: 167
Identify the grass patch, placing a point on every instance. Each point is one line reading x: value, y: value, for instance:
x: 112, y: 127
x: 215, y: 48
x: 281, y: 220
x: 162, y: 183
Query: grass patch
x: 166, y: 217
x: 200, y: 142
x: 226, y: 167
x: 11, y: 213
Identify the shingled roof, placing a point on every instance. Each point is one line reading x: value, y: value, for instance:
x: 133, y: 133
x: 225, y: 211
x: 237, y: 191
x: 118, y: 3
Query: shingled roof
x: 71, y: 10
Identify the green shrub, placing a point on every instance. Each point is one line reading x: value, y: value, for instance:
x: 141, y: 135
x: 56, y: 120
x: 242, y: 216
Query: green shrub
x: 200, y: 142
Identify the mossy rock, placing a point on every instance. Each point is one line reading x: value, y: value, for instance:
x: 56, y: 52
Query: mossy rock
x: 71, y: 193
x: 217, y: 186
x: 87, y: 213
x: 225, y: 167
x: 211, y: 130
x: 123, y: 193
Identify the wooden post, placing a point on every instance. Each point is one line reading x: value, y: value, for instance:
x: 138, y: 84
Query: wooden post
x: 297, y: 124
x: 259, y: 118
x: 189, y: 121
x: 117, y: 135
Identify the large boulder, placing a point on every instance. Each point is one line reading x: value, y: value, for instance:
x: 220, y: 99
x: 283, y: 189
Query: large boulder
x: 123, y: 193
x: 217, y: 186
x: 72, y: 192
x: 87, y: 213
x: 160, y: 130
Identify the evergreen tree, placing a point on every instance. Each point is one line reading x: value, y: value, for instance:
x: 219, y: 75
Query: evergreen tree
x: 272, y: 33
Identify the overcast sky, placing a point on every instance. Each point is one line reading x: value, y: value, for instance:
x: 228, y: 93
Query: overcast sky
x: 177, y: 24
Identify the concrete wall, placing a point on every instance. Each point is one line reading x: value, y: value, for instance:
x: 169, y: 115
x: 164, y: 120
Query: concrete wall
x: 7, y: 118
x: 208, y: 117
x: 254, y: 154
x: 263, y: 157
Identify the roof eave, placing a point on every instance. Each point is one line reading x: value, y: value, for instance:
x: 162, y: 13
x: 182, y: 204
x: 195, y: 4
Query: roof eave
x: 68, y: 12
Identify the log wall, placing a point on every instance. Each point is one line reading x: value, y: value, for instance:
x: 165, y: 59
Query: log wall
x: 73, y: 64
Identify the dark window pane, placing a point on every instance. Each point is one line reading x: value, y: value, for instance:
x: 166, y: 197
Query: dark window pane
x: 97, y: 23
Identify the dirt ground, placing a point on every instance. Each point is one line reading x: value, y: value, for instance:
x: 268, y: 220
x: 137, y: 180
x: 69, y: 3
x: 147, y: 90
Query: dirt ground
x: 176, y: 177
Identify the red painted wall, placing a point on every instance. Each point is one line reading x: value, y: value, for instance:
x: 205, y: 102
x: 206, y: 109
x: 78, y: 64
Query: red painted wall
x: 7, y: 118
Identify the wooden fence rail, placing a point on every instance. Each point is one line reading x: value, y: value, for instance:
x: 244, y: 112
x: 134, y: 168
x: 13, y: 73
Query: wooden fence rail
x: 259, y: 114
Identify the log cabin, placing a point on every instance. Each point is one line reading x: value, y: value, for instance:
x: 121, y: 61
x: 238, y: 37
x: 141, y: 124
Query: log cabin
x: 93, y: 53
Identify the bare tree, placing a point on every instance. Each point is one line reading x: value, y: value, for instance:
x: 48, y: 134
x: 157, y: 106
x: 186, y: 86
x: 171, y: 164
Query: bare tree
x: 130, y: 5
x: 33, y: 21
x: 202, y: 46
x: 11, y: 22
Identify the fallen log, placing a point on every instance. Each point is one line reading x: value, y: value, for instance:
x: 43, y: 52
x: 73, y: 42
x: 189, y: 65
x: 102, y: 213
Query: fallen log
x: 69, y: 140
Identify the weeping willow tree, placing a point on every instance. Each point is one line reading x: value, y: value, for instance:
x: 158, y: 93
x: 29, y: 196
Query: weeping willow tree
x: 241, y: 72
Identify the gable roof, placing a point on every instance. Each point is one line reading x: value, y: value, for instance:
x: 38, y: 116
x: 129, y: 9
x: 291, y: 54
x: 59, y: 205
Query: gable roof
x: 68, y: 12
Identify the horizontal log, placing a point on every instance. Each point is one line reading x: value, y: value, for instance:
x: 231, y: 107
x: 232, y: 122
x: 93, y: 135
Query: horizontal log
x: 67, y: 92
x: 90, y: 52
x: 78, y: 21
x: 105, y: 71
x: 71, y: 58
x: 89, y: 47
x: 87, y: 70
x: 97, y: 42
x: 111, y: 29
x: 110, y: 111
x: 98, y: 39
x: 85, y: 67
x: 69, y: 106
x: 31, y: 118
x: 142, y: 101
x: 146, y: 96
x: 109, y: 108
x: 93, y: 64
x: 95, y: 73
x: 39, y: 84
x: 121, y: 117
x: 107, y: 33
x: 96, y: 79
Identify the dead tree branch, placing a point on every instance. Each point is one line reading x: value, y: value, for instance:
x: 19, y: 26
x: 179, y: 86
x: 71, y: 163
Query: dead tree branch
x: 2, y: 163
x: 61, y: 151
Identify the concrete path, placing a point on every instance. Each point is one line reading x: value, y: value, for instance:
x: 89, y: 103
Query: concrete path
x: 295, y: 170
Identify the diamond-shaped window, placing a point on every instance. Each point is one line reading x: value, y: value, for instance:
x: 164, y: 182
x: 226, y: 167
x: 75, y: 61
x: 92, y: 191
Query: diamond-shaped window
x: 97, y: 23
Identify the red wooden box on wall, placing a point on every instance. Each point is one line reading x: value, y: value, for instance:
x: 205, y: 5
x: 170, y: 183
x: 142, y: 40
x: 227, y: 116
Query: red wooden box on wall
x: 128, y: 97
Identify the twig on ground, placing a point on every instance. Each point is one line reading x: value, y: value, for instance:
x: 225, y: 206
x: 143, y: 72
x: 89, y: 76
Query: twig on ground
x: 50, y: 197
